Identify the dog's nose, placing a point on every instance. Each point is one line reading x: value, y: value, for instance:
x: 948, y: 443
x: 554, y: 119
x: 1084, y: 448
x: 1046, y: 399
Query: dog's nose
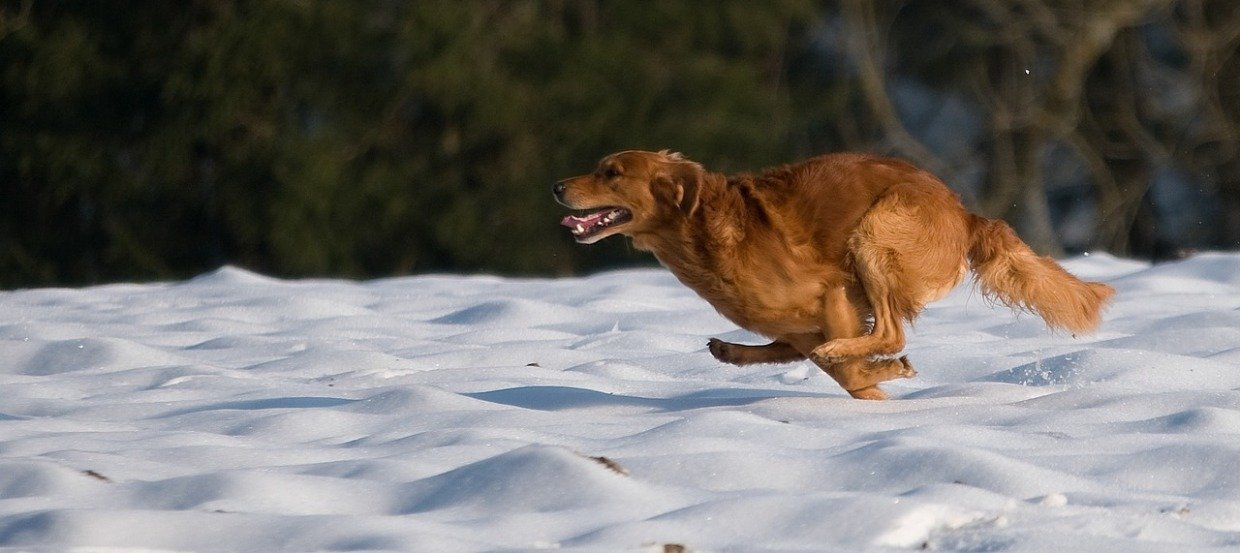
x: 558, y: 189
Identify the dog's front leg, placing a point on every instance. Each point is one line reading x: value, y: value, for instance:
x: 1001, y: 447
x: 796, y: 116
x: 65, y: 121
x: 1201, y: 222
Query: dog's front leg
x: 737, y: 354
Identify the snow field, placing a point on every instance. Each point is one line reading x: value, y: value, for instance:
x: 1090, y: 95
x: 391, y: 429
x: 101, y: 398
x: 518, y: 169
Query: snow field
x: 236, y: 412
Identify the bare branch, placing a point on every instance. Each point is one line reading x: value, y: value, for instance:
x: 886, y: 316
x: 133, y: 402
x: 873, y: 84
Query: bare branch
x: 10, y: 22
x: 866, y: 46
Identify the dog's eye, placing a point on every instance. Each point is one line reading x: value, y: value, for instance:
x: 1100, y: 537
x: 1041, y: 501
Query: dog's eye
x: 611, y: 172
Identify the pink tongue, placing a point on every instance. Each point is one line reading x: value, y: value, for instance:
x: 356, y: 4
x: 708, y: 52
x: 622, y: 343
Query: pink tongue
x: 587, y: 221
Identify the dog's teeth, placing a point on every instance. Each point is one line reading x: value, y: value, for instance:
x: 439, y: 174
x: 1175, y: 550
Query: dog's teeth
x: 579, y: 229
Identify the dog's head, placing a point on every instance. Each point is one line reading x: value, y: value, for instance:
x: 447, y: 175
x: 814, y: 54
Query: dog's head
x: 629, y: 193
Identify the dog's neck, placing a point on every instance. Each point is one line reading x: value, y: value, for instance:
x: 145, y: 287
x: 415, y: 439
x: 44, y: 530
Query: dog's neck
x: 729, y: 209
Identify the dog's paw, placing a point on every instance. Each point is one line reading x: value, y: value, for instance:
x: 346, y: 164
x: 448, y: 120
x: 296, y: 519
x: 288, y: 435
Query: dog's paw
x: 720, y: 349
x: 868, y: 347
x: 908, y: 371
x: 871, y: 393
x: 829, y: 352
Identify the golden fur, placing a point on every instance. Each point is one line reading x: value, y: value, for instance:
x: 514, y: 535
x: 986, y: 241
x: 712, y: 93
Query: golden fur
x: 828, y: 257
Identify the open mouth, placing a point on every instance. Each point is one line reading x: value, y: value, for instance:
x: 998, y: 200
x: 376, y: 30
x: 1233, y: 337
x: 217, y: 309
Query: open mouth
x: 589, y: 226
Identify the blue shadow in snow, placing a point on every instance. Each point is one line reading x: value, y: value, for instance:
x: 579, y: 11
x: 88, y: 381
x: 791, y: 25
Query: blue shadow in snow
x: 559, y: 398
x: 270, y: 403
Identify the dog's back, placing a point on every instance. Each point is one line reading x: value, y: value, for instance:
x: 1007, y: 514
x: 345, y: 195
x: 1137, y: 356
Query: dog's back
x: 825, y: 197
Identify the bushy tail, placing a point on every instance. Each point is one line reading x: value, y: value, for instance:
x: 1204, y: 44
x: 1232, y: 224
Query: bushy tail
x: 1013, y: 274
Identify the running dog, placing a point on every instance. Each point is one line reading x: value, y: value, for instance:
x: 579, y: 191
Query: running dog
x: 828, y: 257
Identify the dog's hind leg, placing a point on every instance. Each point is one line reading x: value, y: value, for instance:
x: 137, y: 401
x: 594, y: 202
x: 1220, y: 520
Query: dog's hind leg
x: 737, y: 354
x: 907, y: 251
x: 887, y: 337
x: 859, y: 377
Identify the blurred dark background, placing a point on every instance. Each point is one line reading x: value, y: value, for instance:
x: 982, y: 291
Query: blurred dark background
x: 366, y: 138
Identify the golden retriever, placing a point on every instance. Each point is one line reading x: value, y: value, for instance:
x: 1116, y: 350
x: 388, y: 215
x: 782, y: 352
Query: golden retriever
x: 828, y: 257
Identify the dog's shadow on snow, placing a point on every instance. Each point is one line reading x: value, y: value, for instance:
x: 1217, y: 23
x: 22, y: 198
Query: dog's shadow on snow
x: 561, y: 398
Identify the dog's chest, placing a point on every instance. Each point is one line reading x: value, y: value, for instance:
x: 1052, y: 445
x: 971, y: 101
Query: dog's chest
x: 764, y: 296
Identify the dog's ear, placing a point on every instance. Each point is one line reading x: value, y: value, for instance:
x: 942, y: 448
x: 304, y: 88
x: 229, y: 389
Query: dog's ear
x: 688, y: 177
x: 680, y: 185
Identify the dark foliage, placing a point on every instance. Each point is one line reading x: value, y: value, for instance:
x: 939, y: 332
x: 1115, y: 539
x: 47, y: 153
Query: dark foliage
x: 149, y: 140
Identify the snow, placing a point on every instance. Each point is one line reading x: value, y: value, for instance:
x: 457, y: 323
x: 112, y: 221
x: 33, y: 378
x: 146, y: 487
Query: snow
x: 237, y: 412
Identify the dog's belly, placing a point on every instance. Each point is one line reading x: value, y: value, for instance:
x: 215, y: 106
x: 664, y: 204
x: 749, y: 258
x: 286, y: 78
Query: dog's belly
x: 764, y: 290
